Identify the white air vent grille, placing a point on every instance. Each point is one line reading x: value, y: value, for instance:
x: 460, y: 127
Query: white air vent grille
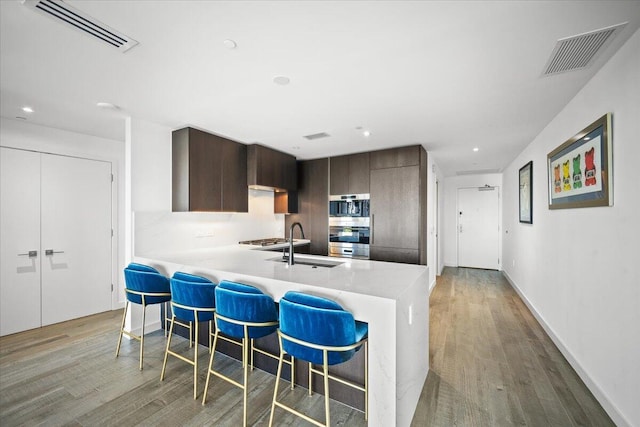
x: 81, y: 21
x: 577, y: 52
x: 317, y: 136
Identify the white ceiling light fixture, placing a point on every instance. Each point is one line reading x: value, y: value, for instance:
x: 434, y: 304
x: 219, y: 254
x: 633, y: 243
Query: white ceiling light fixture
x: 27, y: 109
x: 78, y: 20
x: 230, y: 44
x: 107, y: 106
x: 476, y: 149
x: 317, y: 136
x: 281, y: 80
x: 366, y: 133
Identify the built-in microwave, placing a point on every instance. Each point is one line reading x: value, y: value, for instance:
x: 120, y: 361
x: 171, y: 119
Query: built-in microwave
x: 349, y: 206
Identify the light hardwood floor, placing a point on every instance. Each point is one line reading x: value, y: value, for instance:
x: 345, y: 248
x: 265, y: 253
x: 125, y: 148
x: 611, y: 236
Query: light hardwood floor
x: 491, y: 365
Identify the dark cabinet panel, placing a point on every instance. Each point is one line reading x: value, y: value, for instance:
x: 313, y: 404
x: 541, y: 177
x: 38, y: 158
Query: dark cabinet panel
x: 267, y: 167
x: 359, y: 173
x: 407, y: 256
x: 395, y: 157
x: 399, y: 205
x: 349, y: 174
x: 395, y: 208
x: 234, y: 177
x: 313, y: 204
x: 209, y: 173
x: 339, y: 175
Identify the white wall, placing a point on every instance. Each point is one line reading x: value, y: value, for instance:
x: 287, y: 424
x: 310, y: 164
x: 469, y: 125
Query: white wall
x: 578, y: 268
x: 449, y: 217
x: 433, y: 228
x: 24, y: 135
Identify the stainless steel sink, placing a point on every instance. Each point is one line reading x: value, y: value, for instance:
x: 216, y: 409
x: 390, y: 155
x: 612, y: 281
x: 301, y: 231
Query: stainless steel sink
x: 314, y: 263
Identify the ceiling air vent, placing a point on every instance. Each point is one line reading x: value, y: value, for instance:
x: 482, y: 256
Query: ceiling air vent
x: 81, y: 21
x: 317, y: 136
x: 577, y: 52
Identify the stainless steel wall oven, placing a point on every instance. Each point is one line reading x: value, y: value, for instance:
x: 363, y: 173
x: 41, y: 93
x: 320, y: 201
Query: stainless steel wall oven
x: 349, y: 226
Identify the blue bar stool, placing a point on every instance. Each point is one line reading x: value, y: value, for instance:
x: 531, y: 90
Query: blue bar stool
x: 319, y: 331
x: 144, y: 285
x: 192, y: 300
x: 242, y: 312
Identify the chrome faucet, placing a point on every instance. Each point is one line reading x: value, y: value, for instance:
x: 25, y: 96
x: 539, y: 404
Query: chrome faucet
x: 291, y: 262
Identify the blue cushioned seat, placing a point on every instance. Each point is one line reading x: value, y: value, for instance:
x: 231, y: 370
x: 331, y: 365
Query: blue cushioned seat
x: 243, y: 312
x: 144, y: 285
x: 192, y: 300
x: 319, y: 331
x: 319, y: 321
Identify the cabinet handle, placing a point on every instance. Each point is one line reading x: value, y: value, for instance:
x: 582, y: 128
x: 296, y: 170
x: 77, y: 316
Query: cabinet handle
x: 372, y: 228
x: 30, y: 254
x: 51, y: 252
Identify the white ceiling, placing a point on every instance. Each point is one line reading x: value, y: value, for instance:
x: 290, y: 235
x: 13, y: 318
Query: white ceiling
x: 450, y: 75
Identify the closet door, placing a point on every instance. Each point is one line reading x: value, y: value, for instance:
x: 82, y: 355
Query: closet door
x: 20, y: 231
x: 76, y: 238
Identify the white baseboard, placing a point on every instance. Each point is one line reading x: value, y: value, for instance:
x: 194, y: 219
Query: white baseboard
x: 597, y: 392
x: 432, y: 285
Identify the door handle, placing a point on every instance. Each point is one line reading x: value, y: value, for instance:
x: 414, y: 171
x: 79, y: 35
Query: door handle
x: 30, y: 254
x: 371, y: 232
x: 51, y: 252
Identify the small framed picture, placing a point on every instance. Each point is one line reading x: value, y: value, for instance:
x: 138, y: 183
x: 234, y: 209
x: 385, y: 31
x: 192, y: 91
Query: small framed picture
x: 580, y: 170
x: 526, y: 194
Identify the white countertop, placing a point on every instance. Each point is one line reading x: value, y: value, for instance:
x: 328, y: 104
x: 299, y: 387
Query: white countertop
x: 373, y: 278
x: 392, y: 298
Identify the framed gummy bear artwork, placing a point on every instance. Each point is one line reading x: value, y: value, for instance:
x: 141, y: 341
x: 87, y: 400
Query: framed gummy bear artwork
x: 580, y: 170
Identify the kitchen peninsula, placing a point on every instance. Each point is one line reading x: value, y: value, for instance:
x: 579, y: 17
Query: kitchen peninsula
x: 391, y: 297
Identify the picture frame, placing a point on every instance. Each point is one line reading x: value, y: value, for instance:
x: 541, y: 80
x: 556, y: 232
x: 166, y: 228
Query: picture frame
x: 580, y: 170
x: 525, y: 203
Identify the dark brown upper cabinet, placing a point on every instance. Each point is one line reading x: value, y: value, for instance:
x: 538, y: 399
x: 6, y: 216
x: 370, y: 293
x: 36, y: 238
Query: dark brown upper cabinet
x: 209, y: 173
x: 269, y: 168
x: 395, y: 157
x: 349, y: 174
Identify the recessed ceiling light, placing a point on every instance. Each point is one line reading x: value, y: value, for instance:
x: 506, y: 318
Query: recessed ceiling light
x: 27, y: 109
x: 476, y: 149
x: 230, y: 44
x: 366, y: 133
x: 281, y: 80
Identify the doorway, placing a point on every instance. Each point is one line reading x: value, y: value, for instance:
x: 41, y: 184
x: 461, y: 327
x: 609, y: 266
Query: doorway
x: 56, y: 229
x: 479, y: 227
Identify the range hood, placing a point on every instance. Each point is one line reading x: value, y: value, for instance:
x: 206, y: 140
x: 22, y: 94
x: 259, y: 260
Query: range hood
x: 270, y: 170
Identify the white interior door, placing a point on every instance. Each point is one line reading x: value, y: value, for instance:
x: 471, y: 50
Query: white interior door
x: 478, y: 227
x: 76, y: 227
x: 20, y: 234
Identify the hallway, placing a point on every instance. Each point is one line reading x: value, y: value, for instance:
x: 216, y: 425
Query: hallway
x: 492, y: 364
